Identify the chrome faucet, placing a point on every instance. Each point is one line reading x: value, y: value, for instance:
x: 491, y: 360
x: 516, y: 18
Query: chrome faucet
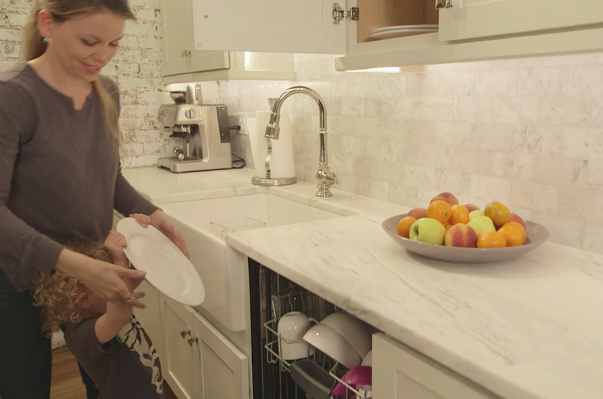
x: 324, y: 176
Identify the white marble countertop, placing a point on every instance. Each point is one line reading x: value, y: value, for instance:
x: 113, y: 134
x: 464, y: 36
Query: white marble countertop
x: 528, y: 328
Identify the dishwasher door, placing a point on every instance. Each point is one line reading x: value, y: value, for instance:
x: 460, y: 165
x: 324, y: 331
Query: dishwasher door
x: 272, y: 296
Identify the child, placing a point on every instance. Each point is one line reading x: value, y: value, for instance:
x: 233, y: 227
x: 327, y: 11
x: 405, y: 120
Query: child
x: 104, y: 336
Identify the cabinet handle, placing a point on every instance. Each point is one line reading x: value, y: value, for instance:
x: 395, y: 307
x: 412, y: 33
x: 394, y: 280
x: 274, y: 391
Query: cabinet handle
x: 186, y: 53
x: 184, y: 333
x: 443, y: 4
x: 191, y: 341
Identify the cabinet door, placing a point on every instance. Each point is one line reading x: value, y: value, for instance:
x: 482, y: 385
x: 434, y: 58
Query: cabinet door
x: 471, y: 19
x: 150, y: 317
x: 225, y: 369
x: 399, y: 372
x: 177, y: 363
x: 179, y: 53
x: 268, y: 26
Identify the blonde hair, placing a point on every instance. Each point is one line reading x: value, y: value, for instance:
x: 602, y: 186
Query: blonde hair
x: 33, y: 45
x: 57, y: 293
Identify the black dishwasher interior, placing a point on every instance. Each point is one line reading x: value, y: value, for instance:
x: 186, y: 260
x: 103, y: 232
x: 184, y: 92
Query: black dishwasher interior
x: 272, y: 296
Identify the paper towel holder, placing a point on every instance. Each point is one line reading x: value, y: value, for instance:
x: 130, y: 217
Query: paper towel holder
x: 268, y: 180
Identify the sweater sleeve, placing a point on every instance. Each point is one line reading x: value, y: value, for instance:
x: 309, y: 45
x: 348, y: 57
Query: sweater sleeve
x: 128, y: 200
x: 18, y: 240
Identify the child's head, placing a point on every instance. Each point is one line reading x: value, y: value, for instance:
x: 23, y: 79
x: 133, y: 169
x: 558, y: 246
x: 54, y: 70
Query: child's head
x: 64, y: 298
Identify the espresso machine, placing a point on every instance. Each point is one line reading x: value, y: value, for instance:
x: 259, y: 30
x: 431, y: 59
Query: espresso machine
x: 204, y: 133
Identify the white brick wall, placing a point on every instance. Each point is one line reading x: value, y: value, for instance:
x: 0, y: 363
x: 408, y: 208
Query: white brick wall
x: 136, y: 68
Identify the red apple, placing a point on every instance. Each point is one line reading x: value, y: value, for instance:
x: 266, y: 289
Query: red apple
x: 446, y: 197
x: 516, y: 218
x: 472, y: 207
x: 418, y: 213
x: 460, y: 235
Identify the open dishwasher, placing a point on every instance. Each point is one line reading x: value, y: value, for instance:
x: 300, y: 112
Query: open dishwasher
x: 315, y: 374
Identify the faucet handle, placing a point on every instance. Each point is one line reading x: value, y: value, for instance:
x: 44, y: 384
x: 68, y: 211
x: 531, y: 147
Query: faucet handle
x: 325, y: 179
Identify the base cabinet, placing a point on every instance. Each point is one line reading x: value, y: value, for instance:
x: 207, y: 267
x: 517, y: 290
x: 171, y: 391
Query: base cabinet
x: 198, y: 361
x: 177, y: 362
x: 400, y: 372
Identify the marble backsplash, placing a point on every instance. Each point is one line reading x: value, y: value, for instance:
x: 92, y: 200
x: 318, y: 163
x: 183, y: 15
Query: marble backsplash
x: 526, y: 132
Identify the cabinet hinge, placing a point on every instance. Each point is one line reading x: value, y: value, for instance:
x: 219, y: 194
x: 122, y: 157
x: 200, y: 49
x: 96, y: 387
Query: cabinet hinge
x: 340, y: 14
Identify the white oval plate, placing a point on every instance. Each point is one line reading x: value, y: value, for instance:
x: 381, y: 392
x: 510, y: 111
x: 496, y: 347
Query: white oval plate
x: 167, y: 268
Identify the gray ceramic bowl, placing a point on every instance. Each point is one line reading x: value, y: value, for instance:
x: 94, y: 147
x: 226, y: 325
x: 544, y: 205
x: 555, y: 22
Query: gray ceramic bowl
x: 536, y: 235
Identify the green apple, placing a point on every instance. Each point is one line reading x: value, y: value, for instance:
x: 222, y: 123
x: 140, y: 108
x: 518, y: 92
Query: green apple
x: 481, y: 224
x: 475, y: 213
x: 428, y: 230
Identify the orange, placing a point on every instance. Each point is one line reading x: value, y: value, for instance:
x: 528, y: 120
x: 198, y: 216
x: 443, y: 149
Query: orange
x: 458, y: 214
x: 404, y: 226
x: 491, y: 239
x: 513, y: 236
x: 447, y: 226
x: 519, y: 227
x: 439, y: 210
x: 499, y: 213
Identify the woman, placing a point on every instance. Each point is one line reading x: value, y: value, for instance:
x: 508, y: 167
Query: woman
x: 59, y: 175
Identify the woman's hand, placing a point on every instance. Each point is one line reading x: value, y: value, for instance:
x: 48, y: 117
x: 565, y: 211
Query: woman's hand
x: 102, y: 278
x: 167, y: 226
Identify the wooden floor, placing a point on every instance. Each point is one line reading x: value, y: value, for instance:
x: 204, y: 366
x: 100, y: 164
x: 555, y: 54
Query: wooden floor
x: 66, y: 380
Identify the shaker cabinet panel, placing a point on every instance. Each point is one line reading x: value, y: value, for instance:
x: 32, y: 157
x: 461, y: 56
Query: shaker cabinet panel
x: 400, y: 372
x: 473, y: 19
x: 224, y: 368
x: 268, y: 26
x: 179, y: 53
x: 178, y: 363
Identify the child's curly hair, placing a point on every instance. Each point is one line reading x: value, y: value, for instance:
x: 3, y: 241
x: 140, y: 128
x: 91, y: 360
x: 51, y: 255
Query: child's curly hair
x: 56, y: 293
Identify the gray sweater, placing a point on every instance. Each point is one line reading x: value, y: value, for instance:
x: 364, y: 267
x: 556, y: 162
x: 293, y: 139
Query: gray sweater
x: 60, y: 175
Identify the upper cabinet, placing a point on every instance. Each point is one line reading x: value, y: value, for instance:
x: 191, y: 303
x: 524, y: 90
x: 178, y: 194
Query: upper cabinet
x: 184, y: 61
x: 384, y: 33
x: 472, y: 19
x: 179, y: 53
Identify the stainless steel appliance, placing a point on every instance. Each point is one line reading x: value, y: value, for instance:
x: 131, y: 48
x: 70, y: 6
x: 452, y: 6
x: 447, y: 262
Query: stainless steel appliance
x: 205, y: 135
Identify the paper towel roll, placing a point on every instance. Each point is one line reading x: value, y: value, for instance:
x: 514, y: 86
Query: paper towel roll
x: 282, y: 163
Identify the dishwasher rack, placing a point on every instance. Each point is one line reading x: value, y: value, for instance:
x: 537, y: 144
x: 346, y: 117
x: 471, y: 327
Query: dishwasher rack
x: 281, y: 296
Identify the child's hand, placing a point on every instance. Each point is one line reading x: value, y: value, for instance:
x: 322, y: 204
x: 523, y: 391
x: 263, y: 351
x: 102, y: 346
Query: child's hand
x: 115, y: 244
x: 143, y: 220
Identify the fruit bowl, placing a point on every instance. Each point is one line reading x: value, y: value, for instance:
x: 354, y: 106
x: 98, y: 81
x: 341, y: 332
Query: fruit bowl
x: 536, y: 235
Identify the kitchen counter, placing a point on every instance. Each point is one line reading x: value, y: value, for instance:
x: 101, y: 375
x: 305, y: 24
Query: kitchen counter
x: 527, y: 328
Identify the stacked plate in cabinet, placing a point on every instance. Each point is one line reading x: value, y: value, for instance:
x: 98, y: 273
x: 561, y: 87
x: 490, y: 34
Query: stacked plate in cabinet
x: 389, y: 32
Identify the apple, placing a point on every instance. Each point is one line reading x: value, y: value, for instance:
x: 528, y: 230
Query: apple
x: 481, y: 224
x: 475, y: 213
x: 516, y: 218
x: 446, y: 197
x: 471, y: 207
x: 461, y: 235
x: 428, y: 230
x: 418, y: 213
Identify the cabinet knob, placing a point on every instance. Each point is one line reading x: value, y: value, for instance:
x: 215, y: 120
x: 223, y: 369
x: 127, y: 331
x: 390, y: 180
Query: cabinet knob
x: 186, y: 53
x: 184, y: 333
x: 443, y: 4
x: 192, y: 340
